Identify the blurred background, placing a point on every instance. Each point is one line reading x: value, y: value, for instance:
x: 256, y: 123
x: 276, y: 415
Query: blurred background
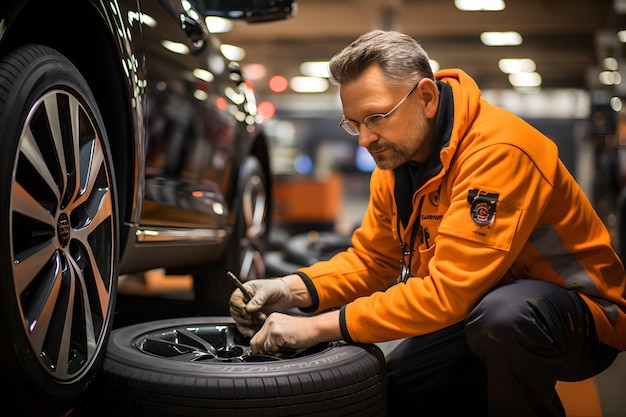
x: 556, y: 63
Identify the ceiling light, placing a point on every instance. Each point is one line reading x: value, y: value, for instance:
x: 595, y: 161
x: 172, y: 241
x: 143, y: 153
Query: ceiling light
x: 610, y: 78
x: 254, y: 71
x: 308, y: 84
x: 278, y: 84
x: 217, y: 24
x: 200, y: 95
x: 315, y: 69
x: 525, y: 79
x: 616, y: 104
x: 203, y: 74
x: 501, y: 38
x: 142, y: 18
x: 232, y: 52
x: 191, y: 12
x: 610, y: 64
x: 267, y: 109
x: 513, y: 65
x: 176, y: 47
x: 480, y: 5
x: 621, y: 35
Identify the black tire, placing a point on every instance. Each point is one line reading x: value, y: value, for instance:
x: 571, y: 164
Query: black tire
x: 58, y: 246
x: 245, y: 254
x: 161, y: 368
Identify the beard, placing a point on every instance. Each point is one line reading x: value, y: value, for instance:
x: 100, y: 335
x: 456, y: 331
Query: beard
x: 393, y: 157
x: 397, y: 154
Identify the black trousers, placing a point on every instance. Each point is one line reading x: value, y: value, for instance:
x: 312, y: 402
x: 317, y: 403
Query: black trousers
x: 503, y: 360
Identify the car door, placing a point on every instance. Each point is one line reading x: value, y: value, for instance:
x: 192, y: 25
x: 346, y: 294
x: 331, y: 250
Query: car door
x: 191, y: 130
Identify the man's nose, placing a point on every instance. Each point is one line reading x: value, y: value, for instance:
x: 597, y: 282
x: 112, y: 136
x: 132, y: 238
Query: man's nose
x: 366, y: 136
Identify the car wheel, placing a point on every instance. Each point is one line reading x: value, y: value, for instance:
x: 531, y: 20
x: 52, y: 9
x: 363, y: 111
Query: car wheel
x: 58, y: 247
x: 202, y: 365
x: 244, y: 256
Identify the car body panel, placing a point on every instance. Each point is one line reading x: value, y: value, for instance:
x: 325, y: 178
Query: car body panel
x: 177, y: 155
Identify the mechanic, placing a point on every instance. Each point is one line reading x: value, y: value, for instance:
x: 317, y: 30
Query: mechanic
x: 477, y: 249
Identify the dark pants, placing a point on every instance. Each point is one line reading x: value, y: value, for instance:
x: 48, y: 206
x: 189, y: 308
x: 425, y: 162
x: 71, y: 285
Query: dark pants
x: 503, y: 361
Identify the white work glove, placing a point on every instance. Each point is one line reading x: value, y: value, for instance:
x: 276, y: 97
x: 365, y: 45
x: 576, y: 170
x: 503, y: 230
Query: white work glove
x: 268, y: 295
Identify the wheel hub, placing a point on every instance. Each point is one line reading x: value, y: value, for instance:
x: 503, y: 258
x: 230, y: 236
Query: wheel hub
x: 63, y: 229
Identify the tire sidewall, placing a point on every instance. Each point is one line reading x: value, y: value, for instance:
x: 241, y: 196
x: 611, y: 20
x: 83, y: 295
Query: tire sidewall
x: 121, y: 349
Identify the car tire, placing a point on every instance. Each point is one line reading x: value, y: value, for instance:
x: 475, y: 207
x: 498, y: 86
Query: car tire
x: 59, y: 241
x: 161, y: 368
x: 245, y: 253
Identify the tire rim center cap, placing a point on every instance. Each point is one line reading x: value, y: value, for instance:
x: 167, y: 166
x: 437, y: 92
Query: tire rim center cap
x: 63, y: 229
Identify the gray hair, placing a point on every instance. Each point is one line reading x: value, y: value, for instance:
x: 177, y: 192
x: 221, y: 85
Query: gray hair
x: 401, y: 58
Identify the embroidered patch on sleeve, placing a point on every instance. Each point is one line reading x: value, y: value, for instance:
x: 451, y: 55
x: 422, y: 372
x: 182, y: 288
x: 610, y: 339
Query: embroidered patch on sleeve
x: 483, y: 208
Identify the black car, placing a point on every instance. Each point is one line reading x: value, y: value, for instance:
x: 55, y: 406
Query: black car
x: 127, y: 142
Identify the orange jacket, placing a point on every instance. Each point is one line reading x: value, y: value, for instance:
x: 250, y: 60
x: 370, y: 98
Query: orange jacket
x: 502, y: 207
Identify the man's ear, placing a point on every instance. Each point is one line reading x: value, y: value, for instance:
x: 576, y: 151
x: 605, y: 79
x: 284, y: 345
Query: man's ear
x: 430, y: 94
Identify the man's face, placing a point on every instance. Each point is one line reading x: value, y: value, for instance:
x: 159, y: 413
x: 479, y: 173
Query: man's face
x: 403, y: 136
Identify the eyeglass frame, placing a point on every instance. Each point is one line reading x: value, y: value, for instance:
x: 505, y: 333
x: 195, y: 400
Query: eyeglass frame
x: 346, y: 123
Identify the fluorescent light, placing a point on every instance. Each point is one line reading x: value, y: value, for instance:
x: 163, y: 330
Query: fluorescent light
x: 254, y: 71
x: 203, y: 74
x: 610, y: 78
x: 501, y: 38
x: 480, y: 5
x: 513, y: 65
x: 315, y: 69
x: 308, y: 84
x: 232, y: 52
x: 525, y: 79
x: 616, y: 104
x: 217, y: 24
x: 140, y: 17
x: 176, y: 47
x: 200, y: 95
x: 610, y: 64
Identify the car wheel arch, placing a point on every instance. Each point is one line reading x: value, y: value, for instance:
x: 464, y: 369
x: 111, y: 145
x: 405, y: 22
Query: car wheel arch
x: 117, y: 113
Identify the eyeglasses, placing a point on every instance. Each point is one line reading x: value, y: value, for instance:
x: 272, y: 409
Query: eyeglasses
x: 373, y: 120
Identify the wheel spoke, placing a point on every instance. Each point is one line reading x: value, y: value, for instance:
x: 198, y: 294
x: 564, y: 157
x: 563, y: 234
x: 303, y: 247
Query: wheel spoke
x: 63, y: 234
x: 52, y: 112
x: 31, y: 151
x: 25, y: 204
x: 26, y: 270
x: 39, y: 311
x: 89, y: 326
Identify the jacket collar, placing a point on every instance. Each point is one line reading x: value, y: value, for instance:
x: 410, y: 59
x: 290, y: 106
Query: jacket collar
x: 411, y: 176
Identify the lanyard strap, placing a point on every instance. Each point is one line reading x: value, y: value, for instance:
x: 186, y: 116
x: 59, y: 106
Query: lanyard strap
x: 405, y: 268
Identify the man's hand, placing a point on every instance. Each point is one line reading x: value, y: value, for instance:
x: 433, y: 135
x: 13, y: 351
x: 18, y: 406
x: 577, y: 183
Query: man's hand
x: 268, y: 295
x: 282, y: 331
